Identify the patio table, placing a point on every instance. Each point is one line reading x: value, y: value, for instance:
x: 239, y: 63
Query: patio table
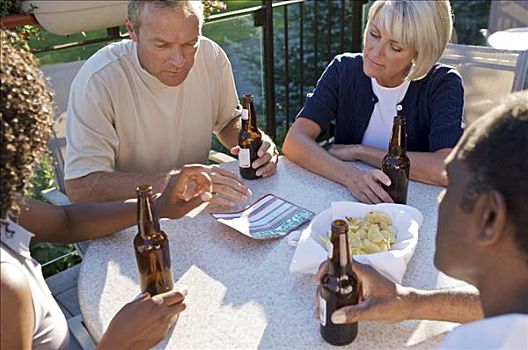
x: 241, y: 293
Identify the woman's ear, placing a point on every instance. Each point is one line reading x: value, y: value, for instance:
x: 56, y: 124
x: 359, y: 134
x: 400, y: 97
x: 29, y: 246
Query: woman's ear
x: 493, y: 214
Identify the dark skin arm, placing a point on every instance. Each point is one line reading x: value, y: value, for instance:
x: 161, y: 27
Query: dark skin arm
x: 383, y: 300
x: 77, y: 222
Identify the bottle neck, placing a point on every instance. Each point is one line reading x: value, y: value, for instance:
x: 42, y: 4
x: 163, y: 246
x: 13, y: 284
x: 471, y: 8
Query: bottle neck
x: 340, y: 259
x: 398, y: 143
x: 247, y: 104
x: 148, y: 223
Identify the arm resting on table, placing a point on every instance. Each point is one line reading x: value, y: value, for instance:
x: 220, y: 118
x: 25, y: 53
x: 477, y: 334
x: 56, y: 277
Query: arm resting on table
x: 104, y: 187
x: 452, y: 305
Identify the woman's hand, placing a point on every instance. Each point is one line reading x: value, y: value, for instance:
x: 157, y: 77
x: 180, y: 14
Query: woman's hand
x: 186, y: 189
x: 144, y: 322
x: 381, y: 299
x: 366, y: 186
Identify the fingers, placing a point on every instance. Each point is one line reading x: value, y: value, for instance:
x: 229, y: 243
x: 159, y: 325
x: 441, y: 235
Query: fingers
x: 320, y: 272
x: 367, y: 188
x: 170, y: 298
x: 266, y: 164
x: 227, y: 189
x: 350, y: 314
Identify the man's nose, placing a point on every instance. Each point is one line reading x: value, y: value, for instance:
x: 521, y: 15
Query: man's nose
x: 177, y: 58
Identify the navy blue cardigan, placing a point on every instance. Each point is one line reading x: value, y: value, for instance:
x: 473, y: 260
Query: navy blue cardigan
x: 433, y: 106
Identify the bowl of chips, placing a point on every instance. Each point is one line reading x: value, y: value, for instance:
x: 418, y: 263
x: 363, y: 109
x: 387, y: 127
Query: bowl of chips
x: 382, y: 235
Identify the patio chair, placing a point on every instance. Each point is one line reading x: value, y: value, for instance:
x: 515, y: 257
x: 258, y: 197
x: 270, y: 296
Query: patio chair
x: 505, y: 15
x: 489, y: 74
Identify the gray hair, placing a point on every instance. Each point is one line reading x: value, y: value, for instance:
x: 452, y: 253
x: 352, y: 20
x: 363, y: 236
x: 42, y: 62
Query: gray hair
x: 189, y: 7
x: 425, y: 26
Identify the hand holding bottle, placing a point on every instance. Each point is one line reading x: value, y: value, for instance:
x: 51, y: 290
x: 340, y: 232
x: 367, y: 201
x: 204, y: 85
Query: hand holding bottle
x: 268, y: 156
x: 380, y: 300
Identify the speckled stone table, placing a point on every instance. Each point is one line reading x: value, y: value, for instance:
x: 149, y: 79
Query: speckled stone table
x: 241, y: 294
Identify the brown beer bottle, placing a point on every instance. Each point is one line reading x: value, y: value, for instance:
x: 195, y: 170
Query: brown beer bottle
x: 396, y: 164
x: 151, y: 246
x: 339, y: 287
x: 249, y: 139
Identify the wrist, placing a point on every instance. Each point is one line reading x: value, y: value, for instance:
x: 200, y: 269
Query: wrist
x: 358, y: 152
x: 415, y: 304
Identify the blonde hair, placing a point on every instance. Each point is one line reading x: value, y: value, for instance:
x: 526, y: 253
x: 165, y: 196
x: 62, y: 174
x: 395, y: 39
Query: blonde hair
x: 425, y: 26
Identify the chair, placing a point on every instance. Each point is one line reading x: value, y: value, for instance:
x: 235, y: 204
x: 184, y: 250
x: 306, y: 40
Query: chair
x: 59, y: 78
x: 505, y: 15
x: 488, y: 74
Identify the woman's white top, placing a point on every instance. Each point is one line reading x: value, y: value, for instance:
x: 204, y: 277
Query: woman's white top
x: 379, y: 129
x: 51, y: 329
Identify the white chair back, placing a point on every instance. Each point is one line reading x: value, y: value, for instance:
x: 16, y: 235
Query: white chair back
x: 489, y: 74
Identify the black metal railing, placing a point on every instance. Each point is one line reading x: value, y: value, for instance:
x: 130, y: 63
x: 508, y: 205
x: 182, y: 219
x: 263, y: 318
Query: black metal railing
x: 299, y: 38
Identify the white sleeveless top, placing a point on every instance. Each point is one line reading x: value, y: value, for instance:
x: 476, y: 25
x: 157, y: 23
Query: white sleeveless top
x: 51, y: 329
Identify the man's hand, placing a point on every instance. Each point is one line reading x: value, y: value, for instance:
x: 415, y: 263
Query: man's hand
x: 381, y: 299
x: 366, y: 186
x: 186, y: 189
x: 227, y: 188
x: 266, y: 164
x: 144, y: 322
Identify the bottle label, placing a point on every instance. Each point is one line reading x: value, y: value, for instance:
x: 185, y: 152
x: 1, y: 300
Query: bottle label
x: 244, y: 159
x: 245, y: 114
x: 322, y: 311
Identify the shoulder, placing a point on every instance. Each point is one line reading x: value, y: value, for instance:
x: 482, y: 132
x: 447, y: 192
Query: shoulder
x: 210, y: 50
x: 16, y: 301
x: 110, y: 58
x: 15, y: 288
x: 441, y: 71
x: 348, y: 61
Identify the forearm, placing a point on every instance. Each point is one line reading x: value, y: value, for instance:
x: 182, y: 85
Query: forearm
x: 454, y: 305
x: 229, y: 134
x: 77, y: 222
x: 304, y: 151
x: 105, y: 187
x: 426, y: 167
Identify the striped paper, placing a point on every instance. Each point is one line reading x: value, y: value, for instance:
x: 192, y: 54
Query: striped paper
x: 269, y: 217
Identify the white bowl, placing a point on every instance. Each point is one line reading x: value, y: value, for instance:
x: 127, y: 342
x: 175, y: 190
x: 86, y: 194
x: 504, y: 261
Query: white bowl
x: 407, y: 220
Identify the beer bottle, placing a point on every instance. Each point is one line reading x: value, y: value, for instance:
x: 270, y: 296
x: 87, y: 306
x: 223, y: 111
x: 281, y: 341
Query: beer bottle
x: 396, y: 164
x: 249, y: 139
x: 151, y: 246
x: 339, y: 287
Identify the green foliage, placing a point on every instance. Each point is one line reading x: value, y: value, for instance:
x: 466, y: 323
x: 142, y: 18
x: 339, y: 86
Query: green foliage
x: 470, y: 18
x: 47, y: 252
x: 9, y: 6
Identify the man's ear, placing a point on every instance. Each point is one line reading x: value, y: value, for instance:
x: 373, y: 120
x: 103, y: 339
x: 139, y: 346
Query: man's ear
x: 130, y: 28
x: 493, y: 216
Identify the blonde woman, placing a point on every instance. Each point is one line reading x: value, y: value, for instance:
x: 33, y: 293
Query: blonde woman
x: 397, y: 73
